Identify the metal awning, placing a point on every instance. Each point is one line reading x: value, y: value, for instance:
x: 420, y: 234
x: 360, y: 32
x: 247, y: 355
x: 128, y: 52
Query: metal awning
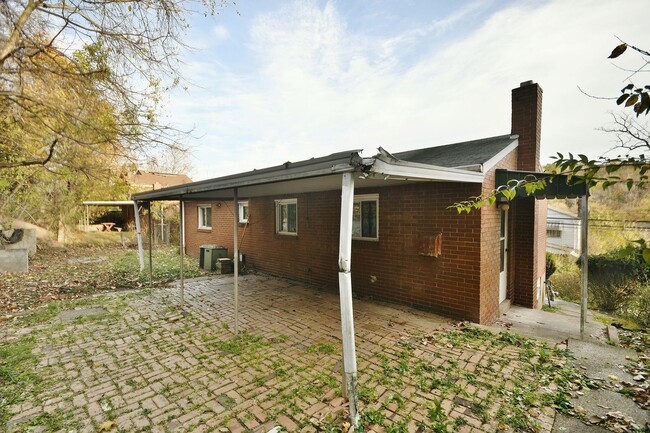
x: 557, y: 185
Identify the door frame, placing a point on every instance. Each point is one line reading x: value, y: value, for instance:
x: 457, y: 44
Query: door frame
x: 503, y: 255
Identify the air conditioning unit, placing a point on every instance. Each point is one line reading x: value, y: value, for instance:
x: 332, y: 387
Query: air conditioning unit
x: 210, y: 254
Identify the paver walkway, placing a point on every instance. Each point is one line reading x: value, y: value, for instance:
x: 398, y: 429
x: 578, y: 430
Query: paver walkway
x: 141, y: 367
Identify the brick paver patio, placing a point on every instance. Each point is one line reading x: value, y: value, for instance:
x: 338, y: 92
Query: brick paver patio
x: 142, y: 367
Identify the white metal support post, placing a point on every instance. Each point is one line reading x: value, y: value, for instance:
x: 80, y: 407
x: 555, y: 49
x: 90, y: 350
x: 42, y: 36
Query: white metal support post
x: 584, y: 243
x: 345, y: 293
x: 182, y: 254
x: 139, y: 232
x: 235, y: 256
x: 150, y: 246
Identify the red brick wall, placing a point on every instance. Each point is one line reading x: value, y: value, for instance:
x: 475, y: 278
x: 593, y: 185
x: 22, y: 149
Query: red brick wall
x: 220, y: 234
x: 449, y: 284
x: 388, y: 269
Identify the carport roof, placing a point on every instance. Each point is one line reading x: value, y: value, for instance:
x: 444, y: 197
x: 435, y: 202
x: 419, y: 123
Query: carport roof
x: 459, y: 162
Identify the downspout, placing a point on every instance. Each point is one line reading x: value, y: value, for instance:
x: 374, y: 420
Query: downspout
x: 183, y: 216
x: 345, y: 293
x: 139, y: 232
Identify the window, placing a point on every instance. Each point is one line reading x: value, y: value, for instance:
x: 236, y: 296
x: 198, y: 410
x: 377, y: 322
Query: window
x: 205, y: 216
x: 553, y: 230
x: 553, y: 233
x: 286, y: 216
x: 243, y: 212
x: 365, y: 217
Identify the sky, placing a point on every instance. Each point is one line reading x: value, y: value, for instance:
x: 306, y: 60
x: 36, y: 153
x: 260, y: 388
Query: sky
x: 274, y: 81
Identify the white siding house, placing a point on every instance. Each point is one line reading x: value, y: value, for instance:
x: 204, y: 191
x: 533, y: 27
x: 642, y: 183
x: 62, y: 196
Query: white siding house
x: 562, y: 233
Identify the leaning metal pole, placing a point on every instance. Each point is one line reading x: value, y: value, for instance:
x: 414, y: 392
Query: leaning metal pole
x: 345, y: 293
x: 139, y: 232
x: 236, y: 256
x: 584, y: 213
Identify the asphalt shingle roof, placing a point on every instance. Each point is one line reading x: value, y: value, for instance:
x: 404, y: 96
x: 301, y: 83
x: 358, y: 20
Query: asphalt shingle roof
x: 459, y: 154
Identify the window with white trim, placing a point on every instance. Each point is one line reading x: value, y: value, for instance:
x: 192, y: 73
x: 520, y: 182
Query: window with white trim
x: 365, y: 217
x: 243, y: 211
x: 286, y: 216
x: 553, y: 230
x: 205, y: 216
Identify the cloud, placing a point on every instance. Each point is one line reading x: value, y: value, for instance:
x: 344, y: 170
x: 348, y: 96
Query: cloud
x: 319, y: 85
x: 220, y: 33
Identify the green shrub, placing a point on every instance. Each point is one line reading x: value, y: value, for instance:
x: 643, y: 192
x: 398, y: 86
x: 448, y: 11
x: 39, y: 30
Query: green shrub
x: 638, y: 306
x: 615, y: 277
x: 567, y: 285
x: 551, y: 267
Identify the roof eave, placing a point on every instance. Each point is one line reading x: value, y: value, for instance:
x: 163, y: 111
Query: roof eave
x: 492, y: 162
x: 388, y: 165
x: 288, y: 172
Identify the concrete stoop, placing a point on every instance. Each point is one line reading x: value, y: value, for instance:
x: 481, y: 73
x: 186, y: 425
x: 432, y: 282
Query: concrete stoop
x: 597, y: 359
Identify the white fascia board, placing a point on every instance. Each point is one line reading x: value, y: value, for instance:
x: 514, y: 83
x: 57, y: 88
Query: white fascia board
x: 416, y: 171
x: 492, y: 162
x: 251, y: 180
x: 273, y: 178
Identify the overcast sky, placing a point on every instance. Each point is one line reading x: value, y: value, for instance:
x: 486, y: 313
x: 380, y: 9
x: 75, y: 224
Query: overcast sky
x: 288, y: 80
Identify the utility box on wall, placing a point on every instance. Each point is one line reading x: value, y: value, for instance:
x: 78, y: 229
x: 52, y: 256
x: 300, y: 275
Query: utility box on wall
x: 430, y: 246
x: 209, y: 256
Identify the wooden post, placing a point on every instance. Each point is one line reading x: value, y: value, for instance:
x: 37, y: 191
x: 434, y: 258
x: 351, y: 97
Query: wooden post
x: 236, y: 256
x: 182, y: 253
x: 150, y: 247
x: 139, y: 232
x: 584, y: 213
x: 345, y: 293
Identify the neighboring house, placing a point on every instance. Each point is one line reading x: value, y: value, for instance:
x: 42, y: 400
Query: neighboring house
x: 408, y: 245
x: 562, y: 233
x: 146, y: 180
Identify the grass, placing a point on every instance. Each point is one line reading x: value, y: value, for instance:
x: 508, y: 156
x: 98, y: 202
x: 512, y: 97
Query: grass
x: 78, y: 271
x: 166, y: 265
x: 623, y: 322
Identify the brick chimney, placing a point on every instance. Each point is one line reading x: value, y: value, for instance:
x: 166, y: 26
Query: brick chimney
x: 527, y: 123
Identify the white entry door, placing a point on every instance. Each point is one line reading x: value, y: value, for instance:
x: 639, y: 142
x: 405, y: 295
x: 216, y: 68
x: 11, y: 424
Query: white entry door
x: 503, y: 246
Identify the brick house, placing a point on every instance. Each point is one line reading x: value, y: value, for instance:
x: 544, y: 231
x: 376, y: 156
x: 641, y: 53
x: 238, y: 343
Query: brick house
x: 408, y: 245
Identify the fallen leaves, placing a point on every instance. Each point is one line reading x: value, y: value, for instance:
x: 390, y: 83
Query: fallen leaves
x: 107, y: 426
x: 615, y: 421
x: 74, y: 272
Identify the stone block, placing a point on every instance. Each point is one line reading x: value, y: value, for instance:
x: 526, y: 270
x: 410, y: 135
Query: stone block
x: 14, y: 260
x: 28, y: 242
